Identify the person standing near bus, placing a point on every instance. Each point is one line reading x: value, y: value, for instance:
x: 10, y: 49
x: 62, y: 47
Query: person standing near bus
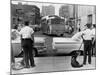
x: 27, y: 44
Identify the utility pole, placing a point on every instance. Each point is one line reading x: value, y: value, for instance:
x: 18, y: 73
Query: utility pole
x: 75, y: 16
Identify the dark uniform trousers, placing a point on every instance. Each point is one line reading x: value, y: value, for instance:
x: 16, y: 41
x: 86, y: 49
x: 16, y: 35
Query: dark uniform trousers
x: 12, y: 55
x: 87, y: 51
x: 27, y: 48
x: 93, y: 47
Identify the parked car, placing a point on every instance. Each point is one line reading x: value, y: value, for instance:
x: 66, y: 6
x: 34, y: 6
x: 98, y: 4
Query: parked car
x: 58, y: 44
x: 38, y: 47
x: 67, y: 45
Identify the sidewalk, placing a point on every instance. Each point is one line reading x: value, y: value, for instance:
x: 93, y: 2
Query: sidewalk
x: 55, y: 63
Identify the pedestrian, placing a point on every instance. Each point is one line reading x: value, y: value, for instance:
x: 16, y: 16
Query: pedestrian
x: 94, y: 40
x: 14, y: 33
x: 27, y: 44
x: 14, y: 36
x: 12, y: 58
x: 87, y: 39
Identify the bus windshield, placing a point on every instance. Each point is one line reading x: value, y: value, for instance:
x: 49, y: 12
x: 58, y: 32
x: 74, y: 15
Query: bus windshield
x: 53, y: 20
x: 57, y: 21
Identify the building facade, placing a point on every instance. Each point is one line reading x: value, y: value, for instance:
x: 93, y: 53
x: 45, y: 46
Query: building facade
x: 22, y: 12
x: 48, y: 10
x: 66, y: 11
x: 86, y: 14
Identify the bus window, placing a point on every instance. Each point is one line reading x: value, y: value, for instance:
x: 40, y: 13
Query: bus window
x: 57, y: 21
x: 53, y: 25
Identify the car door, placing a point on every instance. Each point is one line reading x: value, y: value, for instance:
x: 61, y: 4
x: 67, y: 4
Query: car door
x: 66, y: 45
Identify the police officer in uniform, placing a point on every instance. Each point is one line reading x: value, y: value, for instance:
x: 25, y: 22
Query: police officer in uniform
x: 87, y: 39
x: 27, y: 43
x: 94, y: 40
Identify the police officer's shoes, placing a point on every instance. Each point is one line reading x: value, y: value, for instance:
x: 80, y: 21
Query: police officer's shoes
x: 33, y: 65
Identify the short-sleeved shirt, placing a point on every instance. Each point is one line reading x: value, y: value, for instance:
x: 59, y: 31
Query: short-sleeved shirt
x: 26, y: 32
x: 94, y: 32
x: 87, y: 34
x: 15, y: 34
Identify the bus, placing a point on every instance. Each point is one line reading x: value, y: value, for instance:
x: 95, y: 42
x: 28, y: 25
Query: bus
x: 53, y: 25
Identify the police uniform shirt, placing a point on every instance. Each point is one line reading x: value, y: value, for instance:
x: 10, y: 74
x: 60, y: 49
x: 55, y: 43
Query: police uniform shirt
x: 93, y: 32
x: 87, y: 34
x: 26, y: 32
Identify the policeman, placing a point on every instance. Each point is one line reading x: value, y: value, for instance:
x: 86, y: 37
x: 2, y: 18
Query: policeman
x: 94, y: 40
x: 27, y: 41
x: 87, y: 39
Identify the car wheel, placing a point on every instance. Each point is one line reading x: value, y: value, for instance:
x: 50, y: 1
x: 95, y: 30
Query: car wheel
x: 80, y: 52
x: 61, y: 35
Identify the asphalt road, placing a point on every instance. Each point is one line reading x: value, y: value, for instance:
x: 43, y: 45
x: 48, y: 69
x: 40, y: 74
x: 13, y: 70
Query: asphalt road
x: 54, y: 64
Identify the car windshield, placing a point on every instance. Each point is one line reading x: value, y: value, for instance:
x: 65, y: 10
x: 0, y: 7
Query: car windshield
x: 77, y: 37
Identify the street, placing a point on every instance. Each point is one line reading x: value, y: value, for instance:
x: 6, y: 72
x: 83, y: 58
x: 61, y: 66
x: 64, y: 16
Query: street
x: 48, y: 62
x: 53, y: 64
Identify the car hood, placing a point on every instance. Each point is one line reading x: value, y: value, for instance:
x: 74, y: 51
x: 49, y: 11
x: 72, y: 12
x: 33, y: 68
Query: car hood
x: 76, y: 38
x: 37, y: 40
